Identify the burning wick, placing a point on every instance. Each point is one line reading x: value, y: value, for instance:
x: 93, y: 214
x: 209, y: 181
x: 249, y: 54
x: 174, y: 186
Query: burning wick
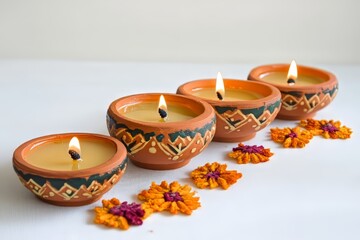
x: 292, y: 74
x: 220, y: 97
x: 291, y: 82
x: 74, y: 149
x: 163, y: 113
x: 220, y: 89
x: 162, y: 109
x: 74, y: 155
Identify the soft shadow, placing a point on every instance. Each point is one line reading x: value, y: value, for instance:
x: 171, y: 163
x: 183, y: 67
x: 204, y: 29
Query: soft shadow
x: 16, y: 196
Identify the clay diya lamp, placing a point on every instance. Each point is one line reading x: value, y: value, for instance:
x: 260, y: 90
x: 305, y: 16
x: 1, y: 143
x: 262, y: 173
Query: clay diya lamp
x: 162, y: 134
x: 304, y: 90
x: 242, y: 107
x: 70, y: 169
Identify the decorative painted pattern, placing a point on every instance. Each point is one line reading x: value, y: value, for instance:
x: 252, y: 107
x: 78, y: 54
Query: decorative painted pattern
x: 257, y: 118
x: 56, y: 189
x: 173, y: 145
x: 307, y: 103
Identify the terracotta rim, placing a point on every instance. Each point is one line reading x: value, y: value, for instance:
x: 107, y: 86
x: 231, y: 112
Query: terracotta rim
x: 206, y: 110
x: 273, y: 92
x: 21, y: 164
x: 330, y: 79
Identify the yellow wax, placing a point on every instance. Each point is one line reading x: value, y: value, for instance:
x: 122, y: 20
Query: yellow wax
x: 148, y: 112
x: 280, y: 78
x: 55, y: 156
x: 230, y: 94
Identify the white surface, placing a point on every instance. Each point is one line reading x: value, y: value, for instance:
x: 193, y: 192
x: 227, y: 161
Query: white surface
x: 237, y: 31
x: 310, y: 193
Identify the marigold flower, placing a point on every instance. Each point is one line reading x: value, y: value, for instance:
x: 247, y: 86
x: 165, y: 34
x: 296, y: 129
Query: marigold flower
x: 171, y: 197
x: 119, y: 215
x: 328, y: 129
x: 254, y: 154
x: 212, y: 175
x: 291, y: 137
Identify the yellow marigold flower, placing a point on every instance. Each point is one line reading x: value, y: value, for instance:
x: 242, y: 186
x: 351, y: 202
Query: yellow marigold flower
x: 212, y: 175
x: 291, y: 137
x: 328, y: 129
x: 115, y: 214
x: 254, y: 154
x: 171, y: 197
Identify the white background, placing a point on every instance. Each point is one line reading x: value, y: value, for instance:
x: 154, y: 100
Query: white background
x: 227, y: 31
x: 311, y: 193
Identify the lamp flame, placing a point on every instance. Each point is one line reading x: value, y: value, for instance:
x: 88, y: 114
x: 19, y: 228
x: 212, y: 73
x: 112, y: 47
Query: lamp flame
x: 74, y: 148
x: 292, y: 73
x: 162, y: 108
x: 220, y: 89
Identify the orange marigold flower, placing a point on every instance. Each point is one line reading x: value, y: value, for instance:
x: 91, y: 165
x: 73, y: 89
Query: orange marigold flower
x: 328, y: 129
x: 254, y: 154
x: 212, y: 175
x: 115, y: 214
x: 171, y: 197
x: 291, y: 137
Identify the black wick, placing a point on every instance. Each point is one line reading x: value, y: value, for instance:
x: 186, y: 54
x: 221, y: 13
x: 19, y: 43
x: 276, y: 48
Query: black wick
x: 220, y: 97
x: 163, y: 113
x: 74, y: 155
x: 291, y: 81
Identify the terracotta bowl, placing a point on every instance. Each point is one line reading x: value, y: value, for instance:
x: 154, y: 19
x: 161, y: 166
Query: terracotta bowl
x: 73, y: 187
x: 300, y: 102
x: 162, y: 145
x: 238, y: 121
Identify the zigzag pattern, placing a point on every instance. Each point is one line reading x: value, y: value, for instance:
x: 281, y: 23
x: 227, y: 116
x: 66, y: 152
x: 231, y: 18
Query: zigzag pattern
x: 173, y: 146
x: 235, y: 120
x: 291, y: 103
x: 68, y: 192
x: 173, y: 149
